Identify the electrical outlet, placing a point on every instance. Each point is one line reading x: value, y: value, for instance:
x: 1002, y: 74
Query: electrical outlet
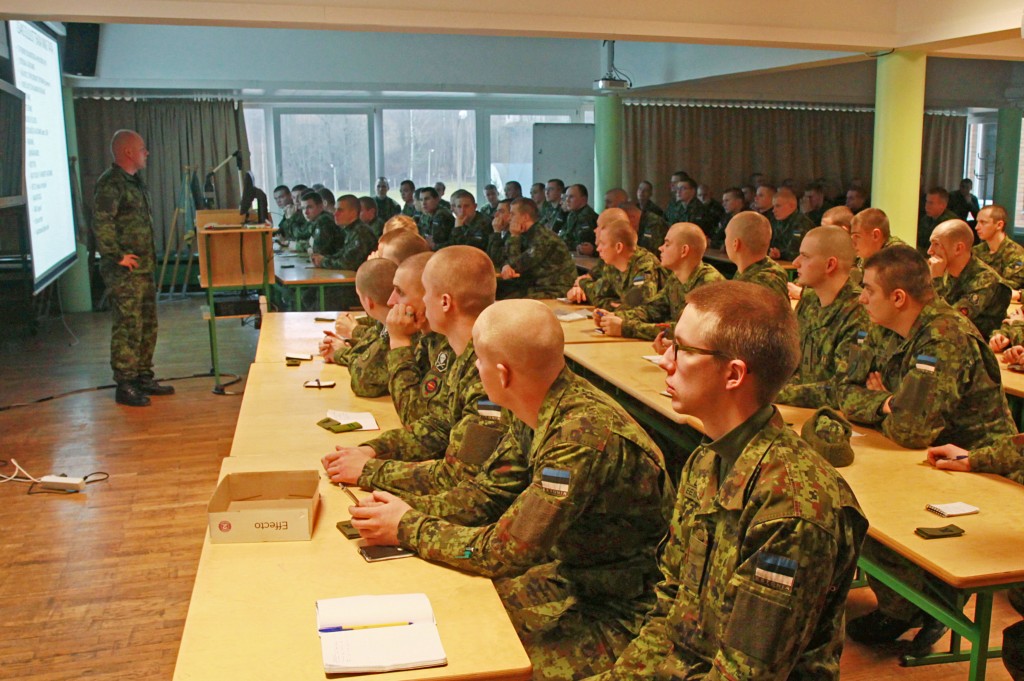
x: 62, y: 482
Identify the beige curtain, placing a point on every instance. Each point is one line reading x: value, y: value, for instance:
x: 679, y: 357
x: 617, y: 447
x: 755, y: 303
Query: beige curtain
x: 721, y: 146
x: 178, y: 133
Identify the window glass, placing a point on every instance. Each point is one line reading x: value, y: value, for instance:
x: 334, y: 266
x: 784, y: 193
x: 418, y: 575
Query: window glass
x: 430, y: 145
x: 512, y: 148
x: 256, y: 131
x: 327, y: 148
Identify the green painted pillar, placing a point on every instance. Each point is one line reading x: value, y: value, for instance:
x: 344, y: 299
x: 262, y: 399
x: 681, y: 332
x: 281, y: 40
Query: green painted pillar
x: 899, y: 124
x: 1007, y: 161
x: 75, y: 293
x: 607, y: 148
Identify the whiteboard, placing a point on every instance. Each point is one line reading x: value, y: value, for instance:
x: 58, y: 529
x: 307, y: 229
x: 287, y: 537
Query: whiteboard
x: 565, y: 151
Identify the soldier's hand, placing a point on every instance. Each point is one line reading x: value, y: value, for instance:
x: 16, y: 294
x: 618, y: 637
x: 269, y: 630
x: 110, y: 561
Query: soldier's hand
x: 612, y: 324
x: 661, y: 344
x: 581, y: 278
x: 346, y: 463
x: 1015, y: 297
x: 576, y: 295
x: 874, y: 382
x: 937, y: 266
x: 998, y: 342
x: 289, y: 210
x: 131, y: 261
x: 774, y: 253
x: 402, y: 323
x: 1014, y: 355
x: 330, y: 345
x: 950, y: 458
x: 508, y: 273
x: 378, y: 520
x: 316, y: 259
x: 794, y: 291
x: 344, y: 324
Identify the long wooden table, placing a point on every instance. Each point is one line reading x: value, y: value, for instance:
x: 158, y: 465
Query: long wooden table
x: 293, y: 270
x: 893, y: 486
x: 252, y: 612
x: 297, y: 332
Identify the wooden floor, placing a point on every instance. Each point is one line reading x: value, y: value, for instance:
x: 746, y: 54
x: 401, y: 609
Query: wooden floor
x: 96, y: 585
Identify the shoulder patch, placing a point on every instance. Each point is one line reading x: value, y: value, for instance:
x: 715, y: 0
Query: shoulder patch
x: 488, y: 409
x: 441, y: 363
x: 555, y: 481
x: 638, y: 280
x: 587, y: 434
x: 776, y: 572
x: 431, y: 384
x: 965, y: 312
x: 926, y: 363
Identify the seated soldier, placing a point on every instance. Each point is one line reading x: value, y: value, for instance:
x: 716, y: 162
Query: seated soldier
x: 365, y: 356
x: 574, y: 556
x: 418, y: 360
x: 630, y: 276
x: 324, y: 234
x: 498, y: 238
x: 747, y: 237
x: 814, y: 200
x: 765, y: 535
x: 960, y: 278
x: 840, y: 216
x: 399, y: 244
x: 644, y: 192
x: 292, y: 220
x: 869, y: 230
x: 998, y: 251
x: 616, y: 197
x: 926, y: 375
x: 436, y: 221
x: 650, y: 226
x: 491, y: 194
x: 297, y: 192
x: 788, y: 225
x: 856, y: 199
x: 408, y: 191
x: 369, y: 217
x: 764, y: 199
x: 681, y: 254
x: 607, y: 216
x: 513, y: 190
x: 830, y: 317
x: 400, y: 221
x: 458, y: 285
x: 440, y: 189
x: 580, y: 221
x: 472, y: 228
x: 537, y: 193
x: 536, y: 260
x: 936, y: 212
x: 734, y: 204
x: 690, y: 208
x: 387, y: 208
x: 551, y: 214
x: 353, y: 243
x: 328, y: 196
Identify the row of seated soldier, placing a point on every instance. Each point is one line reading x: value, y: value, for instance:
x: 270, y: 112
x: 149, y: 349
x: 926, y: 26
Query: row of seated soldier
x: 510, y: 466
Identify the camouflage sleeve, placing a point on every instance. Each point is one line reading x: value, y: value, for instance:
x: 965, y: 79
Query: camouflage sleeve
x: 342, y: 356
x: 926, y: 396
x: 106, y: 201
x: 527, y: 260
x: 641, y: 321
x: 977, y: 303
x: 496, y: 249
x: 645, y: 285
x: 816, y: 394
x: 599, y: 292
x: 352, y: 254
x: 1014, y: 330
x: 1004, y: 457
x: 405, y: 374
x: 443, y: 231
x: 860, y: 404
x: 367, y: 366
x: 523, y: 536
x: 1014, y: 274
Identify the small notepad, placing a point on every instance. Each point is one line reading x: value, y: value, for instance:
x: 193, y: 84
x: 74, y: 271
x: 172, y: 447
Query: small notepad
x: 952, y: 509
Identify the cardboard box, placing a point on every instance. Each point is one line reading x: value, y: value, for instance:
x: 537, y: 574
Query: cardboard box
x: 264, y: 506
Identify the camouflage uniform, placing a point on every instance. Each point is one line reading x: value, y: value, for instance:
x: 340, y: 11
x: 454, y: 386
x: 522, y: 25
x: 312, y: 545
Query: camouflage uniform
x: 638, y: 283
x: 826, y: 336
x: 927, y: 225
x: 437, y: 227
x: 366, y: 360
x: 767, y: 273
x: 1014, y: 330
x: 545, y: 266
x: 123, y: 225
x: 487, y: 210
x: 651, y: 207
x: 387, y: 208
x: 653, y: 229
x: 943, y: 379
x: 440, y: 428
x: 295, y: 228
x: 717, y: 237
x: 673, y: 210
x: 551, y: 215
x: 496, y: 248
x: 756, y: 568
x: 979, y: 294
x: 410, y: 210
x: 695, y: 212
x: 579, y: 227
x: 476, y: 232
x: 1007, y: 261
x: 376, y: 227
x: 787, y: 234
x: 355, y: 244
x: 418, y: 374
x: 857, y: 273
x: 579, y: 543
x: 643, y: 321
x: 1003, y: 457
x: 325, y: 235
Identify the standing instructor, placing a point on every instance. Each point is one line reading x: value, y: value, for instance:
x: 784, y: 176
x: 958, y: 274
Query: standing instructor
x: 123, y: 222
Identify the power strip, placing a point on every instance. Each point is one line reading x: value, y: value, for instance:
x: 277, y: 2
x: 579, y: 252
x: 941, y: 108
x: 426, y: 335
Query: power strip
x: 62, y: 482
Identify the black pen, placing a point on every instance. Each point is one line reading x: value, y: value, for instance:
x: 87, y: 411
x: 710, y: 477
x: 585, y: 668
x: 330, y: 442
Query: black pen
x: 351, y: 496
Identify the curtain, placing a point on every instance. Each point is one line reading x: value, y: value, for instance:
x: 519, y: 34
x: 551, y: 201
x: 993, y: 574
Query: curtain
x: 178, y: 133
x: 721, y: 146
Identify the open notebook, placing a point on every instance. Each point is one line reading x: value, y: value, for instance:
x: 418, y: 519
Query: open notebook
x: 361, y: 634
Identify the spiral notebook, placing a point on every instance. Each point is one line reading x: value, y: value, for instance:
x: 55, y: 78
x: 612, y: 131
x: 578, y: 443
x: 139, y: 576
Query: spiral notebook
x: 952, y: 509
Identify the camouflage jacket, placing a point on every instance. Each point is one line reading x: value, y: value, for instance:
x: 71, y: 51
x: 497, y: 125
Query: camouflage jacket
x: 123, y: 221
x: 787, y: 234
x: 597, y: 502
x: 638, y: 283
x: 1014, y: 330
x: 927, y: 225
x: 443, y: 425
x: 418, y: 374
x: 756, y: 567
x: 579, y: 227
x: 366, y: 360
x: 410, y: 210
x: 1003, y: 457
x: 295, y: 228
x: 496, y: 243
x: 545, y: 266
x: 487, y: 210
x: 717, y: 237
x: 979, y: 294
x: 354, y: 246
x: 673, y: 211
x: 476, y: 232
x: 376, y: 228
x: 551, y: 215
x: 695, y: 212
x: 857, y: 273
x: 1007, y: 261
x: 437, y: 227
x: 943, y: 379
x: 325, y: 235
x: 826, y: 336
x: 387, y: 208
x: 767, y: 273
x: 643, y: 320
x: 653, y: 229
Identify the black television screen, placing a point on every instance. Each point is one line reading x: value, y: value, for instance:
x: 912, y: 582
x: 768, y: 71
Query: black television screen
x: 12, y: 140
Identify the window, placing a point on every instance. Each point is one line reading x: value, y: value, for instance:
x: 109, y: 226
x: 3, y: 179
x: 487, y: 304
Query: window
x: 427, y: 145
x: 256, y: 131
x: 330, y: 148
x: 512, y: 147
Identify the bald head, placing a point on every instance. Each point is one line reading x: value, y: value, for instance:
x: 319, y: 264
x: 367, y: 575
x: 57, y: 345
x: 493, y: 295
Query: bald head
x: 610, y: 214
x: 840, y: 216
x: 524, y: 335
x: 954, y: 232
x: 614, y: 198
x: 620, y: 232
x: 129, y: 150
x: 400, y: 244
x: 689, y: 234
x: 411, y: 271
x: 633, y: 214
x: 753, y: 230
x: 375, y: 279
x: 466, y: 274
x: 831, y: 242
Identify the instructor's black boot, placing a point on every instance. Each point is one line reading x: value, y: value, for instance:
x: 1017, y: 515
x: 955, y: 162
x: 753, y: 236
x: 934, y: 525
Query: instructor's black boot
x: 149, y: 386
x: 130, y: 395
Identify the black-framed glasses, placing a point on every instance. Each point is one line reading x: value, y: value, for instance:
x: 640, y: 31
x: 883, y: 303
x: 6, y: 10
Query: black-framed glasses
x: 691, y: 350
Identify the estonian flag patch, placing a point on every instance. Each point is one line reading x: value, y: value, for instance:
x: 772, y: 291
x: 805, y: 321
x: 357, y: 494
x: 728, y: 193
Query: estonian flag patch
x: 555, y: 481
x: 638, y: 280
x: 861, y: 337
x: 488, y: 409
x: 777, y: 572
x: 926, y: 363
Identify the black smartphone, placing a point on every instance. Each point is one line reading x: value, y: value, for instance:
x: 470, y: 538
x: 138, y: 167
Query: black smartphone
x: 372, y: 554
x: 345, y: 527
